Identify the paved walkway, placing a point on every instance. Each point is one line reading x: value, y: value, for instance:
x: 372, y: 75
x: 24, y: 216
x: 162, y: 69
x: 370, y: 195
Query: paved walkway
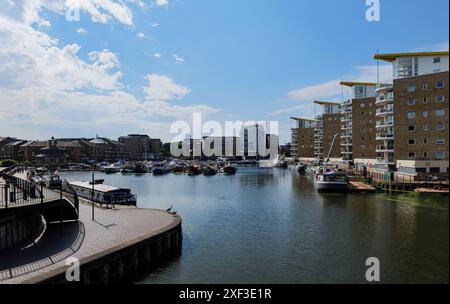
x: 82, y: 239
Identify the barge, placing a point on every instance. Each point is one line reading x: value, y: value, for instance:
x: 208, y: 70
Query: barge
x: 104, y: 194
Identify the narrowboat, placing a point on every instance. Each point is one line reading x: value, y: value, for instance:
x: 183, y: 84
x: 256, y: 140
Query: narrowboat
x: 104, y: 194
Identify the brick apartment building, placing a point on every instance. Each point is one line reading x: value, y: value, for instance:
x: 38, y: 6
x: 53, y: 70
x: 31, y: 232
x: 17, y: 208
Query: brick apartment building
x: 328, y: 132
x: 412, y: 114
x: 302, y: 138
x: 358, y: 130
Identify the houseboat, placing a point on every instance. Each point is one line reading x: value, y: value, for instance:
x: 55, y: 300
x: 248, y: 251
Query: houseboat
x: 331, y: 181
x: 104, y: 194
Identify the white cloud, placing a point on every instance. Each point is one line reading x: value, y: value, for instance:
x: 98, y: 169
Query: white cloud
x: 33, y: 59
x: 46, y: 89
x: 162, y: 87
x: 332, y: 90
x: 141, y: 35
x: 154, y: 24
x: 178, y: 59
x: 81, y: 30
x: 29, y: 11
x: 157, y: 55
x: 161, y: 2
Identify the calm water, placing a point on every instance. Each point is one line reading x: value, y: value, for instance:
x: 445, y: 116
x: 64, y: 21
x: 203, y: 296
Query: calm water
x: 272, y: 227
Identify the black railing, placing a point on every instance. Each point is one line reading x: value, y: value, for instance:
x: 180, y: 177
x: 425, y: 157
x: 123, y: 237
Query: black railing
x: 15, y: 191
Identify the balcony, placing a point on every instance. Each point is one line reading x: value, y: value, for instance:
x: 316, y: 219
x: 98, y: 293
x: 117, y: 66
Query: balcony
x: 347, y: 119
x: 384, y: 149
x: 382, y: 125
x: 346, y: 127
x: 384, y: 136
x: 386, y: 111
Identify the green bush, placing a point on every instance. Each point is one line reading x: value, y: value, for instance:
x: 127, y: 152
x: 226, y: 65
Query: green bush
x: 8, y: 163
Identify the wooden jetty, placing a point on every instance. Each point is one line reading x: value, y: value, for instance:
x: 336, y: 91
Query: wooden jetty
x: 432, y: 191
x: 360, y: 187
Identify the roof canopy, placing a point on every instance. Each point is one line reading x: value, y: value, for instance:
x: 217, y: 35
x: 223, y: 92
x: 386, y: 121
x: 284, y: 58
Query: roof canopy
x: 392, y: 57
x: 303, y: 119
x: 352, y: 84
x: 322, y: 103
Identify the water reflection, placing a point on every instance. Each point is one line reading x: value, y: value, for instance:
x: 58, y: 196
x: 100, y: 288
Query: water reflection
x: 271, y: 226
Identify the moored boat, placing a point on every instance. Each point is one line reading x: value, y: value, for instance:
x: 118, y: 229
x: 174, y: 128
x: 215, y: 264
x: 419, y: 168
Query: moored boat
x: 160, y: 169
x: 229, y: 169
x: 210, y: 170
x: 331, y: 181
x: 194, y: 170
x: 104, y: 194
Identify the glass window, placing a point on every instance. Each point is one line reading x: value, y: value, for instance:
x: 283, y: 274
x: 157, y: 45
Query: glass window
x: 440, y: 112
x: 440, y: 98
x: 436, y: 59
x: 425, y: 114
x: 411, y: 155
x: 440, y: 155
x: 425, y: 127
x: 425, y: 100
x: 425, y: 154
x: 424, y: 86
x: 403, y: 67
x: 411, y: 115
x: 411, y: 101
x: 440, y: 84
x: 425, y: 141
x: 440, y: 141
x: 411, y: 88
x: 411, y: 142
x: 411, y: 128
x: 440, y: 127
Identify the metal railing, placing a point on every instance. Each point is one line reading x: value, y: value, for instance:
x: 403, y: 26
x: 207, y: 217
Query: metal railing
x: 15, y: 191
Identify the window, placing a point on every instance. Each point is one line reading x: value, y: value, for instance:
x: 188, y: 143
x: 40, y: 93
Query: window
x: 440, y: 141
x: 411, y: 142
x: 412, y: 155
x: 440, y: 127
x: 440, y: 98
x: 436, y: 59
x: 425, y: 141
x: 411, y: 128
x: 425, y: 128
x: 411, y: 102
x: 411, y: 88
x: 440, y: 84
x: 411, y: 115
x: 440, y: 155
x: 425, y: 154
x: 425, y: 114
x: 424, y: 86
x: 440, y: 112
x: 363, y: 105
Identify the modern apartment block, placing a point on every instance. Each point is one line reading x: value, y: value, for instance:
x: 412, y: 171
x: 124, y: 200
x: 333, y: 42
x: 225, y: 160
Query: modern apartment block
x: 327, y: 133
x: 302, y: 138
x: 412, y: 114
x: 358, y: 125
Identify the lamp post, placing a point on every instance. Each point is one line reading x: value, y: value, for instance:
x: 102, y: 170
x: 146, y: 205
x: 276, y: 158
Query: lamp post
x: 92, y: 198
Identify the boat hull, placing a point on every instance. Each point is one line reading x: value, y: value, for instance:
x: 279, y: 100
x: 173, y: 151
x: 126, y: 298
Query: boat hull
x: 331, y: 187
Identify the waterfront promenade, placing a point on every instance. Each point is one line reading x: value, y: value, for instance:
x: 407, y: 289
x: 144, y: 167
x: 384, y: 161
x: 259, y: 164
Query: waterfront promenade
x: 89, y: 241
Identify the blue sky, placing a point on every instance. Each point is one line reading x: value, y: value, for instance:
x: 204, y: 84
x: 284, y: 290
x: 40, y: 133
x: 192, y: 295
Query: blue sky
x: 237, y: 60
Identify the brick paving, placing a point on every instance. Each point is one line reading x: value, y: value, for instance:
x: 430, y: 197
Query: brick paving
x: 82, y: 239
